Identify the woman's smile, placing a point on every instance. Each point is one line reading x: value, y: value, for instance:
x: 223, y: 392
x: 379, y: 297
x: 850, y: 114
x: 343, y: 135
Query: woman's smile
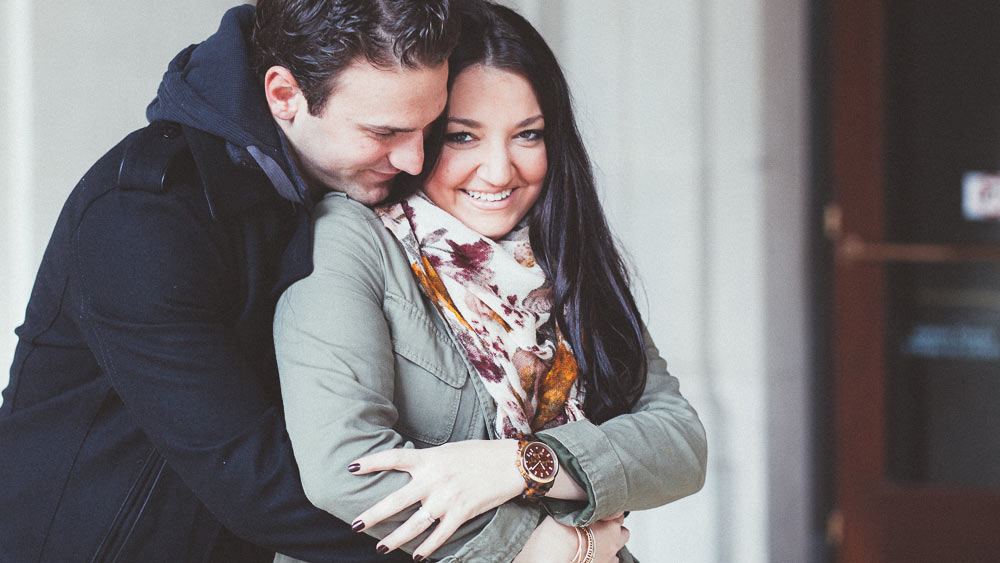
x: 493, y: 163
x: 488, y: 197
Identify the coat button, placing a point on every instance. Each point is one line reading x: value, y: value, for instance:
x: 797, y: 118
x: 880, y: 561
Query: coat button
x: 170, y: 131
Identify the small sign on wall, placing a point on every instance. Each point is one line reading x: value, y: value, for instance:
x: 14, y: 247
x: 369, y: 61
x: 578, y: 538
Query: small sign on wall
x: 953, y: 341
x: 981, y: 196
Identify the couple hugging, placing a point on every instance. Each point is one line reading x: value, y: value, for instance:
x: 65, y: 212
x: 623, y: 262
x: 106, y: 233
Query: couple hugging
x: 349, y: 297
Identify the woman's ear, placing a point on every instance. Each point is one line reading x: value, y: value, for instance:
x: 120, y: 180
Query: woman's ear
x: 284, y: 97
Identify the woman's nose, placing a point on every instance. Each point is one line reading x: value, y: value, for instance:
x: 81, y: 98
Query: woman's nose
x: 497, y: 169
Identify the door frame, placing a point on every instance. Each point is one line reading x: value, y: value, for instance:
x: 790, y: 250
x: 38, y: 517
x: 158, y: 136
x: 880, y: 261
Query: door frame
x: 877, y: 520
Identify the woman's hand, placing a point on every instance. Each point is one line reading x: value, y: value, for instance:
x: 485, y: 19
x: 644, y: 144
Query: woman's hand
x: 611, y: 536
x: 553, y: 541
x: 451, y: 483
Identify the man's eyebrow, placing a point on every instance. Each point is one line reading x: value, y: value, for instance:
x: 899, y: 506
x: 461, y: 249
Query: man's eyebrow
x: 475, y: 124
x: 389, y: 128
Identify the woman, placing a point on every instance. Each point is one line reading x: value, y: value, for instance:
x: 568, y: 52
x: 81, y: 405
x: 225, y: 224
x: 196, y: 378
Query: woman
x: 479, y: 330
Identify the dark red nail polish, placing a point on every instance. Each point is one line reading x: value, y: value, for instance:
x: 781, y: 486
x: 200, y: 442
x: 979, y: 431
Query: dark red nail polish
x: 418, y: 558
x: 354, y: 467
x: 358, y: 525
x: 382, y: 550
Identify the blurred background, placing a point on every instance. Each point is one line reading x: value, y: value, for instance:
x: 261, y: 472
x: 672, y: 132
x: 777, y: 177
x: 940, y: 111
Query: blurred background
x: 806, y: 191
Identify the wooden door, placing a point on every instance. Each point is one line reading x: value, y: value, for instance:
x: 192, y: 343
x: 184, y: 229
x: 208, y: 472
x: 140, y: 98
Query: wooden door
x: 915, y: 126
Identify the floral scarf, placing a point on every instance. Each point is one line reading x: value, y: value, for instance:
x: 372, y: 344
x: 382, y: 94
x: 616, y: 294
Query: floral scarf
x: 497, y: 301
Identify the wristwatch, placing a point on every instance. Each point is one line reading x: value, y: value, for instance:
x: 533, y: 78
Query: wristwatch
x: 539, y: 465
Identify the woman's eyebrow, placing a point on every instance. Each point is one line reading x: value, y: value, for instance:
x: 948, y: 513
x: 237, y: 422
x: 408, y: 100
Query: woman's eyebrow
x: 476, y: 124
x: 529, y: 121
x: 466, y: 122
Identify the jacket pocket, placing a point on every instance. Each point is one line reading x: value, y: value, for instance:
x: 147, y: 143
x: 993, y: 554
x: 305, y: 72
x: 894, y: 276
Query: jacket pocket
x: 431, y: 376
x: 130, y: 510
x: 418, y: 338
x: 427, y: 407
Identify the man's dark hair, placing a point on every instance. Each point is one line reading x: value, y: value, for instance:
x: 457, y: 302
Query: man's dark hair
x: 316, y: 39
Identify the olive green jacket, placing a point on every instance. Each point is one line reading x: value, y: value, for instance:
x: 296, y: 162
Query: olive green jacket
x: 367, y: 363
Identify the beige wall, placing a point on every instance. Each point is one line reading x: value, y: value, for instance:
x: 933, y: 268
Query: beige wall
x: 694, y: 114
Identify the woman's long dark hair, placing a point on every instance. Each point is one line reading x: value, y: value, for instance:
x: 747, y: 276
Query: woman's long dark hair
x: 593, y: 303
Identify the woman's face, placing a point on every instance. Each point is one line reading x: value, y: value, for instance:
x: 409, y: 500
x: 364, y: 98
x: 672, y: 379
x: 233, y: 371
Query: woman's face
x: 493, y: 163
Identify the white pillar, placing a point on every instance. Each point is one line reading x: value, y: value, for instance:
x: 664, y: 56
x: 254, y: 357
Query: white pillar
x: 18, y: 188
x: 693, y: 114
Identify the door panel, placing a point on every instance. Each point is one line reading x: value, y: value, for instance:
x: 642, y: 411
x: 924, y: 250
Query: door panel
x: 915, y: 108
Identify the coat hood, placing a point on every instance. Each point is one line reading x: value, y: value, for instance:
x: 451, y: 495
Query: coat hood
x: 210, y: 86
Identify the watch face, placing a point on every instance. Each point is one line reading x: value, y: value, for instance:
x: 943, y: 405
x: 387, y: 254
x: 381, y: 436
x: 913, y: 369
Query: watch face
x: 539, y: 462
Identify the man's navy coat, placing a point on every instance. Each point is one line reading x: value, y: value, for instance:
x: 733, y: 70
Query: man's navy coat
x: 142, y: 421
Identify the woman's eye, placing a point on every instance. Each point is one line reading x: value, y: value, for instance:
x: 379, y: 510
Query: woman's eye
x: 383, y: 134
x: 531, y: 135
x: 459, y: 138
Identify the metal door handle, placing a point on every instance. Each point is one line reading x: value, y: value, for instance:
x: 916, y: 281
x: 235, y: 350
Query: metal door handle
x: 853, y: 248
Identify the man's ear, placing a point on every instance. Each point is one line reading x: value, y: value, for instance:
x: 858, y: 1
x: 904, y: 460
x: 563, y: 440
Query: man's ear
x: 283, y: 94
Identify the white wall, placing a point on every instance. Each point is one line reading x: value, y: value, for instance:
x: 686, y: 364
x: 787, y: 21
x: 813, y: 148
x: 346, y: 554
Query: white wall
x: 694, y: 114
x: 17, y: 252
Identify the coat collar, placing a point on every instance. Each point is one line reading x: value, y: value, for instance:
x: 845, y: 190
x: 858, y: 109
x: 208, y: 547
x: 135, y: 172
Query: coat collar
x: 232, y: 183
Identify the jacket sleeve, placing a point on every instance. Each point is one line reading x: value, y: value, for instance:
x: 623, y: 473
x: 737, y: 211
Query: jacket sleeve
x: 336, y: 365
x: 652, y: 456
x: 155, y: 306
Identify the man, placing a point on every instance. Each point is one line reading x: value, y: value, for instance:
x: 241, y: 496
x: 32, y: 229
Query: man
x: 142, y: 421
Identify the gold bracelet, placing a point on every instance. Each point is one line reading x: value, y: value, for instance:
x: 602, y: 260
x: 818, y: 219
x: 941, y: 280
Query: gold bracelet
x: 591, y: 546
x: 579, y: 546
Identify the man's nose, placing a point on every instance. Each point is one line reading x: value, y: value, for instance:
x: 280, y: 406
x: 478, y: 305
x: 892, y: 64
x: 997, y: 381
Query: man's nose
x: 408, y: 156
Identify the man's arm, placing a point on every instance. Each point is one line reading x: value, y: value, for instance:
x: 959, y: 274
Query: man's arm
x: 154, y: 295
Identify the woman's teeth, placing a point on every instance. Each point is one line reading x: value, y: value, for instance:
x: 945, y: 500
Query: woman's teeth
x: 483, y: 196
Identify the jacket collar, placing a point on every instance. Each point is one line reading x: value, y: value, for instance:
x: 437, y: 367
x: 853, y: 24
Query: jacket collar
x: 232, y: 182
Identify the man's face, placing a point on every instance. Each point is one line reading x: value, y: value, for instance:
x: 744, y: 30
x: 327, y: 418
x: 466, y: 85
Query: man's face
x: 371, y: 128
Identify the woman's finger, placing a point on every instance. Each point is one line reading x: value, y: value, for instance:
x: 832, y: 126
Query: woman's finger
x: 399, y: 459
x: 394, y: 503
x: 444, y: 530
x: 619, y: 517
x: 415, y: 525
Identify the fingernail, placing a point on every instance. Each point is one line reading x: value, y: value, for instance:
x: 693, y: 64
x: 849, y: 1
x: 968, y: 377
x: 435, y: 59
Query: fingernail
x: 354, y: 467
x: 418, y: 558
x: 382, y: 550
x: 358, y: 525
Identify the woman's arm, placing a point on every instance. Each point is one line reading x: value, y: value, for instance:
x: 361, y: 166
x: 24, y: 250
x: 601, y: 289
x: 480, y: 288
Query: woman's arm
x: 452, y: 483
x: 646, y: 458
x: 553, y: 541
x: 652, y: 456
x: 336, y: 365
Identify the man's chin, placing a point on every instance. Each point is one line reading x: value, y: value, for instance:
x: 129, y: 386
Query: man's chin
x: 371, y: 194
